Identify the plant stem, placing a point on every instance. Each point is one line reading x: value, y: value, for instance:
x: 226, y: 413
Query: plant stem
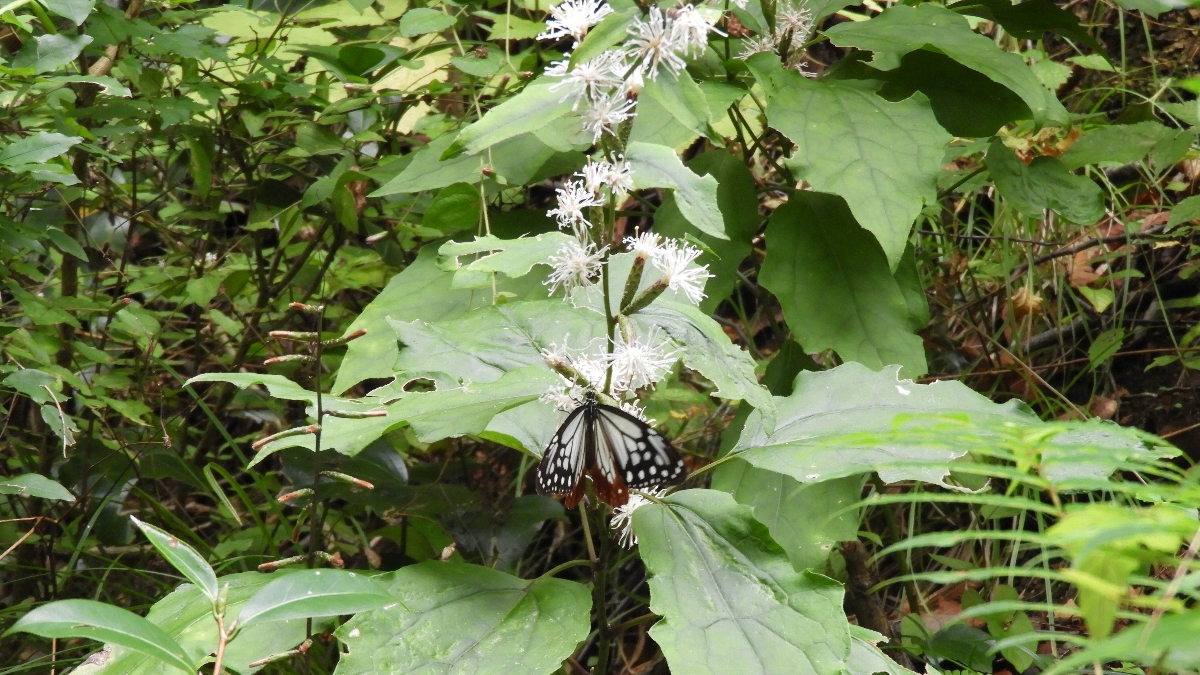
x: 599, y: 594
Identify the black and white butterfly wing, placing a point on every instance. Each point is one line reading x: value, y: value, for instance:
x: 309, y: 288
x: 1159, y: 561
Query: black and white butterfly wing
x: 630, y: 451
x: 561, y: 470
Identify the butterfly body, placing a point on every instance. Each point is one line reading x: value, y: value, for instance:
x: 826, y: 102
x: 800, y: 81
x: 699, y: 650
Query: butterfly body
x: 616, y: 450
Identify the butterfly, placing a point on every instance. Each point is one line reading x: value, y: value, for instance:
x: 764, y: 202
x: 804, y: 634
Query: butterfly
x: 617, y: 450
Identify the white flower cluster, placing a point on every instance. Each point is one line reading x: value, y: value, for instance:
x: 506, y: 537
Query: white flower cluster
x: 793, y: 23
x: 674, y: 260
x: 609, y: 83
x: 640, y: 362
x: 578, y: 262
x: 622, y: 517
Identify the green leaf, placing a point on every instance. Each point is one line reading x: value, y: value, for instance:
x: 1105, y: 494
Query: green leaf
x: 1155, y: 7
x: 313, y: 593
x: 108, y: 86
x: 421, y: 292
x: 1171, y: 645
x: 511, y: 27
x: 98, y: 621
x: 422, y: 20
x: 738, y: 201
x: 530, y: 110
x: 50, y: 52
x: 510, y: 257
x: 277, y: 386
x: 681, y: 97
x: 37, y: 149
x: 969, y: 647
x: 704, y: 347
x: 1185, y: 211
x: 33, y: 383
x: 882, y: 157
x: 907, y: 431
x: 901, y: 29
x: 315, y: 139
x: 806, y: 520
x: 60, y: 423
x: 65, y: 243
x: 658, y: 166
x: 515, y: 161
x: 200, y: 160
x: 456, y: 207
x: 186, y: 615
x: 1128, y: 143
x: 1029, y: 20
x: 1046, y: 183
x: 75, y: 10
x: 34, y: 485
x: 182, y: 557
x: 730, y: 601
x: 867, y: 659
x: 456, y: 618
x: 1105, y: 345
x: 816, y: 251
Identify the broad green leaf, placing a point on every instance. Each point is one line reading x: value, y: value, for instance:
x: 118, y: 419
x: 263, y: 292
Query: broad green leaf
x: 655, y: 124
x: 182, y: 557
x: 455, y: 208
x: 450, y: 617
x: 186, y: 615
x: 658, y: 166
x: 964, y: 645
x: 907, y: 431
x: 1128, y: 143
x: 277, y: 386
x: 730, y: 601
x: 313, y: 593
x: 421, y: 292
x: 98, y: 621
x: 882, y: 157
x: 1185, y: 211
x: 1046, y: 183
x: 868, y: 659
x: 901, y: 29
x: 422, y: 20
x: 908, y: 275
x: 75, y: 10
x: 34, y: 485
x: 36, y: 149
x: 1030, y: 20
x: 50, y: 52
x: 815, y: 252
x: 530, y: 110
x: 681, y: 97
x: 200, y: 161
x: 704, y: 347
x: 511, y: 257
x: 511, y: 27
x: 738, y: 201
x: 36, y: 384
x: 514, y: 160
x: 65, y: 243
x: 806, y: 520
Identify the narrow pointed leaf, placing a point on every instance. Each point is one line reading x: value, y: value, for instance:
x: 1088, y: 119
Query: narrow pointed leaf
x: 182, y: 557
x: 310, y: 594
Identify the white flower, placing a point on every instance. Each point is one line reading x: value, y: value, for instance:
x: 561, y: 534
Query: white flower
x: 572, y: 200
x: 673, y: 261
x: 574, y: 18
x: 605, y: 113
x: 574, y: 266
x: 656, y: 44
x: 642, y: 362
x: 622, y: 518
x: 616, y: 176
x: 646, y: 245
x: 760, y: 44
x: 797, y: 20
x: 690, y: 30
x: 565, y: 396
x: 593, y: 78
x: 558, y: 68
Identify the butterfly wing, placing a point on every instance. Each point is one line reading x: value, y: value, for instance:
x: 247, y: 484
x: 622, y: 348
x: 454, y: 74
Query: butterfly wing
x: 633, y: 452
x: 561, y: 470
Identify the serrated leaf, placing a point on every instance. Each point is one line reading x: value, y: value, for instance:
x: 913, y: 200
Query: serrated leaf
x: 99, y: 621
x: 501, y: 624
x: 182, y: 557
x: 1046, y: 183
x: 882, y: 157
x: 422, y: 20
x: 510, y: 257
x: 658, y: 166
x: 816, y: 251
x: 313, y: 593
x: 901, y: 29
x: 50, y: 52
x: 34, y: 485
x: 730, y: 601
x: 1185, y: 211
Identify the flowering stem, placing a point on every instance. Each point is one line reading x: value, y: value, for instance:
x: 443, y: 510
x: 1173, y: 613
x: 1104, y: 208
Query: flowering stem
x: 565, y: 566
x: 632, y: 283
x: 647, y: 296
x: 599, y: 597
x: 587, y: 533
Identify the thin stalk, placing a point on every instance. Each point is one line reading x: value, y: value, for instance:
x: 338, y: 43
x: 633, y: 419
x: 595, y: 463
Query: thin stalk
x: 599, y: 594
